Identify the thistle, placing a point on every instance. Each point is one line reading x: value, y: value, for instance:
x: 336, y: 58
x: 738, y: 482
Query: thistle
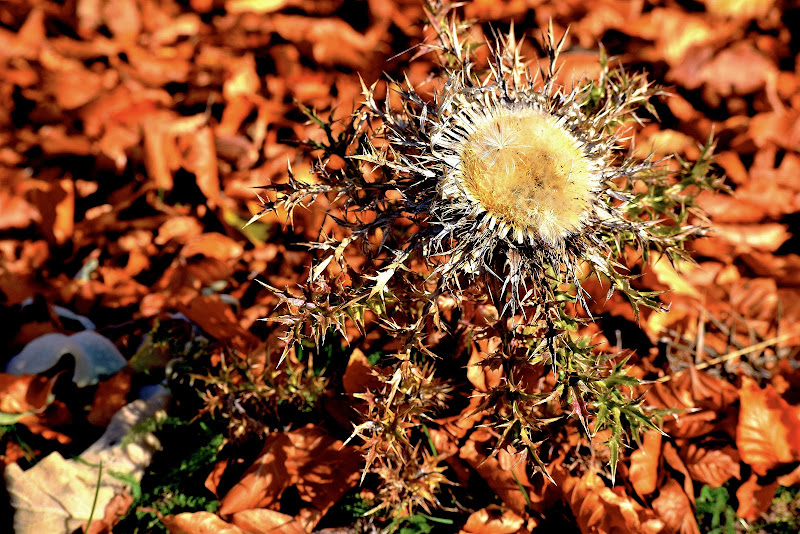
x: 503, y: 189
x: 510, y: 177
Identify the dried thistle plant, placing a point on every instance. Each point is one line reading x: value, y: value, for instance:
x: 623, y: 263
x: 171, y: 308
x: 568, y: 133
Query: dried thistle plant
x: 410, y: 475
x: 505, y: 190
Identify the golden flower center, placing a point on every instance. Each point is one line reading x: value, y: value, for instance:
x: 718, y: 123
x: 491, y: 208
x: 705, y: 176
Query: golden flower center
x: 528, y: 172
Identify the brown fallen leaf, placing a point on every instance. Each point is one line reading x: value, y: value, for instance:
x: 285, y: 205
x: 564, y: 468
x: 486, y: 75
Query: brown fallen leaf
x: 123, y: 19
x: 703, y: 397
x: 673, y: 506
x: 333, y: 41
x: 674, y: 460
x: 56, y: 495
x: 780, y: 127
x: 115, y: 510
x: 738, y: 70
x: 748, y: 9
x: 55, y: 201
x: 320, y: 467
x: 600, y: 509
x: 755, y: 497
x: 643, y: 472
x: 199, y: 523
x: 26, y: 42
x: 485, y: 376
x: 110, y: 397
x: 506, y: 484
x: 358, y: 376
x: 768, y: 434
x: 217, y: 319
x: 264, y: 521
x: 24, y: 394
x: 15, y: 211
x: 493, y: 521
x: 264, y: 481
x: 212, y: 245
x: 324, y: 469
x: 713, y: 467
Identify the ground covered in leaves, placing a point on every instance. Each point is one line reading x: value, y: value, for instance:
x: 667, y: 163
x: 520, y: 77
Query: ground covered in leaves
x: 143, y: 392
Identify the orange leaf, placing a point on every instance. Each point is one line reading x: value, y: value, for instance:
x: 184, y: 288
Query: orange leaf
x: 182, y: 227
x: 711, y: 466
x: 109, y: 398
x: 201, y: 159
x: 264, y: 481
x: 213, y: 245
x: 324, y: 469
x: 263, y: 521
x: 215, y: 476
x: 198, y: 523
x: 319, y: 466
x: 358, y: 377
x: 754, y: 499
x: 738, y: 70
x: 486, y: 521
x: 673, y: 506
x: 675, y: 462
x: 643, y: 472
x: 769, y: 428
x: 706, y: 396
x: 218, y: 320
x: 500, y: 481
x: 734, y: 8
x: 16, y: 212
x: 115, y: 510
x: 484, y: 377
x: 25, y: 393
x: 600, y: 509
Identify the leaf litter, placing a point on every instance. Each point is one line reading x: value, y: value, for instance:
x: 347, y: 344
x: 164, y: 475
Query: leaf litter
x: 131, y: 137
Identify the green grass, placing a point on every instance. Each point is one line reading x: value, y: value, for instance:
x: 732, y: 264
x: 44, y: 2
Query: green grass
x: 716, y: 513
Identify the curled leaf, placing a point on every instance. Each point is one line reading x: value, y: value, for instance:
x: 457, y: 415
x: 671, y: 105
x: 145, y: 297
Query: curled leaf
x: 95, y: 356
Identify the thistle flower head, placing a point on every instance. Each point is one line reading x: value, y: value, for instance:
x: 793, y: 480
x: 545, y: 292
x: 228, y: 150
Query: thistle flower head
x: 509, y: 175
x: 521, y: 169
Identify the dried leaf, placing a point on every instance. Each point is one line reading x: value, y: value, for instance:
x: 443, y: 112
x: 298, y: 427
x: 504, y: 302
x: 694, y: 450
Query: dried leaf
x: 358, y: 377
x: 493, y: 521
x: 110, y: 397
x: 16, y: 212
x: 24, y: 395
x: 598, y: 508
x: 319, y: 466
x: 674, y: 508
x: 263, y: 521
x: 485, y: 376
x: 643, y: 472
x: 755, y: 497
x: 213, y: 245
x: 56, y: 495
x: 199, y: 523
x: 713, y: 467
x: 502, y: 482
x: 94, y: 356
x: 264, y: 481
x: 768, y: 434
x: 752, y: 9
